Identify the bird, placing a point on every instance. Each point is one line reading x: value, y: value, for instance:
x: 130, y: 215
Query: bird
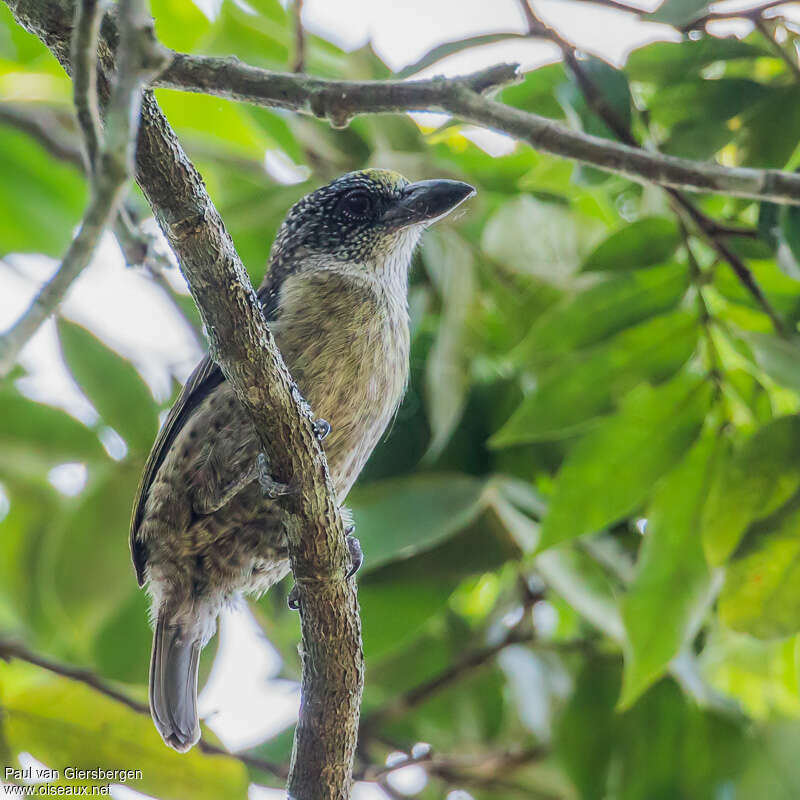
x: 206, y: 524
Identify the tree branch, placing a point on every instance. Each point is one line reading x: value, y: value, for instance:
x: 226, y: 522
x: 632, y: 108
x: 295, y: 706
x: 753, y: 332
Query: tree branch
x: 242, y: 344
x: 140, y: 60
x: 299, y: 61
x: 88, y: 15
x: 338, y: 101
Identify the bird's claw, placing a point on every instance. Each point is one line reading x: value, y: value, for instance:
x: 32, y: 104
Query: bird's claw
x: 271, y: 488
x: 321, y: 428
x: 356, y: 553
x: 356, y: 560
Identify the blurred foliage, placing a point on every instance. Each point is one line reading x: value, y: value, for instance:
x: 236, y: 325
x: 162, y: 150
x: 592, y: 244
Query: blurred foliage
x: 594, y: 471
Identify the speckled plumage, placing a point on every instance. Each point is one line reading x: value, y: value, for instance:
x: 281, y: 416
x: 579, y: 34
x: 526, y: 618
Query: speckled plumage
x: 203, y: 529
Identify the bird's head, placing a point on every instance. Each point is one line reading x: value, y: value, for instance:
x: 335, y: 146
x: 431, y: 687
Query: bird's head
x: 368, y: 220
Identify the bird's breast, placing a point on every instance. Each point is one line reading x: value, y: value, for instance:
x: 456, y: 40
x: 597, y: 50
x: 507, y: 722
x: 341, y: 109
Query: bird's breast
x: 346, y: 344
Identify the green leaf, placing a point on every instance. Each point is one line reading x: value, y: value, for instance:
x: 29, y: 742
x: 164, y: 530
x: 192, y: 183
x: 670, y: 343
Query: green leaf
x: 536, y: 92
x: 66, y: 724
x: 412, y: 585
x: 23, y: 533
x: 92, y: 541
x: 42, y: 198
x: 770, y: 129
x: 660, y: 609
x: 113, y: 385
x: 761, y: 595
x: 670, y: 62
x: 466, y: 711
x: 577, y: 578
x: 768, y: 223
x: 424, y: 510
x: 593, y: 314
x: 584, y: 385
x: 698, y: 138
x: 587, y: 757
x: 179, y: 24
x: 613, y: 469
x: 421, y: 585
x: 678, y: 12
x: 642, y: 243
x: 758, y: 478
x: 220, y: 124
x: 779, y: 358
x: 121, y: 649
x: 720, y: 100
x: 691, y: 753
x: 773, y: 769
x: 555, y: 253
x: 446, y: 49
x: 37, y: 436
x: 790, y: 231
x: 449, y: 261
x: 612, y: 85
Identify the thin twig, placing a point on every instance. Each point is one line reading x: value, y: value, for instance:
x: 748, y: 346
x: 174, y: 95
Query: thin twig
x: 466, y: 665
x: 723, y: 229
x: 299, y: 62
x: 596, y: 99
x: 706, y: 318
x: 707, y: 226
x: 486, y: 766
x: 46, y: 129
x: 12, y: 650
x: 140, y: 59
x: 88, y: 15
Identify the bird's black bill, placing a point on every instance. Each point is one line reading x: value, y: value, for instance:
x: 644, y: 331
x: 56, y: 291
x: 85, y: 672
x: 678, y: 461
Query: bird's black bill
x: 426, y: 201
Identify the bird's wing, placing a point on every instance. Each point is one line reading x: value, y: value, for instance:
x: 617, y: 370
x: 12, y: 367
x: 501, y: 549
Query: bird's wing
x: 203, y: 380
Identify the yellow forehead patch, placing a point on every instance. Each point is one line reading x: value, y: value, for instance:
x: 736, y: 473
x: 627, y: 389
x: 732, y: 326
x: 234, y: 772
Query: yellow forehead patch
x: 386, y: 177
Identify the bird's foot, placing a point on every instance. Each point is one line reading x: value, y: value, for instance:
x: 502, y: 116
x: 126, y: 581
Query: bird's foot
x: 356, y: 560
x: 321, y: 428
x: 271, y: 488
x: 356, y: 553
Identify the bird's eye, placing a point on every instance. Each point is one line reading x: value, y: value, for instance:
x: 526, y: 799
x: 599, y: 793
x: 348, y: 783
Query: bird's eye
x: 356, y: 204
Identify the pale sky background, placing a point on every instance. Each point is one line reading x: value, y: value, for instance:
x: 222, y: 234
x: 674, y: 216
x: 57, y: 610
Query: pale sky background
x: 242, y: 702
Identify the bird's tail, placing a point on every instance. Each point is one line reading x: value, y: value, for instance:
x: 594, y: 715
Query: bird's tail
x: 173, y: 684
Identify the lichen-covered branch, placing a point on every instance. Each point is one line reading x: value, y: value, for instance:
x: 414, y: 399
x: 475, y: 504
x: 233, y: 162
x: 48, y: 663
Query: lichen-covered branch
x: 338, y: 101
x: 242, y: 344
x: 113, y: 164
